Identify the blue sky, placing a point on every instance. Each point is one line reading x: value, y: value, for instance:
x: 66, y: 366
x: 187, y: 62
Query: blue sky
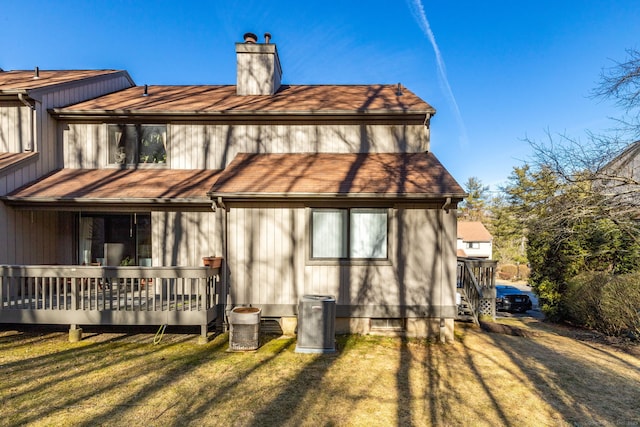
x: 512, y: 69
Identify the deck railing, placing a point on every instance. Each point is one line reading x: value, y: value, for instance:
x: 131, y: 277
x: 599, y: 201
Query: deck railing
x: 109, y: 295
x: 477, y: 278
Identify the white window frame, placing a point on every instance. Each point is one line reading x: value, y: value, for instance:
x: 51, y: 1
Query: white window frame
x: 349, y: 247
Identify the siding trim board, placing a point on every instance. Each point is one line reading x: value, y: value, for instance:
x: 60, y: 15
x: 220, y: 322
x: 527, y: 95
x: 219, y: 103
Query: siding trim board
x: 367, y: 311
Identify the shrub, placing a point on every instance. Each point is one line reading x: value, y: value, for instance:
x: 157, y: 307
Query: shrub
x: 513, y: 272
x: 549, y: 298
x: 507, y: 272
x: 607, y: 303
x: 525, y: 271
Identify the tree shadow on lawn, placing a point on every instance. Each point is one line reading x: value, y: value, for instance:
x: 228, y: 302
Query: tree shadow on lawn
x: 582, y: 383
x: 279, y: 401
x: 54, y: 376
x: 125, y: 379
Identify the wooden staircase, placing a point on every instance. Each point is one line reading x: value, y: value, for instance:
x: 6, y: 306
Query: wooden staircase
x: 475, y: 281
x: 466, y: 312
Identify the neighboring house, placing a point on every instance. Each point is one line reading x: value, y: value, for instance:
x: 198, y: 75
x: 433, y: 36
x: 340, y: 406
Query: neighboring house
x: 474, y: 240
x: 621, y: 177
x: 303, y: 189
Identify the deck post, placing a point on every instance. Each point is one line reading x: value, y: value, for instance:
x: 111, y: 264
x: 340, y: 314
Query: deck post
x: 203, y: 338
x: 75, y: 333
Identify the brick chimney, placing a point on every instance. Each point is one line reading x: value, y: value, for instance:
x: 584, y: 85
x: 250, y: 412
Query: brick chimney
x: 259, y: 71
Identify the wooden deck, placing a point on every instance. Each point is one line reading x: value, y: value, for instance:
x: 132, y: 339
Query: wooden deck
x: 87, y: 295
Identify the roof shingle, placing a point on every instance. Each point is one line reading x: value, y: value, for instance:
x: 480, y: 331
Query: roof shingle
x: 223, y: 99
x: 120, y: 185
x: 473, y: 231
x: 20, y: 80
x: 335, y: 174
x: 10, y: 159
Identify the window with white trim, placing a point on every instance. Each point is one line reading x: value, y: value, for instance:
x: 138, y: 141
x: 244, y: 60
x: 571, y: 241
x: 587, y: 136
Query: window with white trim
x: 354, y: 233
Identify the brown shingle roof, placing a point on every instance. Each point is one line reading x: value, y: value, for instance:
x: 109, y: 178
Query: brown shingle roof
x: 331, y: 174
x: 223, y: 99
x: 10, y: 159
x: 119, y: 186
x: 473, y: 231
x: 11, y: 81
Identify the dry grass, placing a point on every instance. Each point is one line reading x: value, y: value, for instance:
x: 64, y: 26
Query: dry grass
x: 491, y: 379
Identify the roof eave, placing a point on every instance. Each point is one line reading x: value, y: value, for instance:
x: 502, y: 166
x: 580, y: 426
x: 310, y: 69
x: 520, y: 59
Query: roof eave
x: 455, y: 197
x: 417, y: 116
x: 60, y: 203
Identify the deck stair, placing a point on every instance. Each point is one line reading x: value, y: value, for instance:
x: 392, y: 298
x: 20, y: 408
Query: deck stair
x: 475, y: 281
x: 465, y: 309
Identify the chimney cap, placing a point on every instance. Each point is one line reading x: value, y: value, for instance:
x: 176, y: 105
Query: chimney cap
x: 250, y: 38
x: 267, y: 37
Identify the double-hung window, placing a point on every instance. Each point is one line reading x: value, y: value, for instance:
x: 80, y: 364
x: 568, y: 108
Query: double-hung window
x: 135, y: 144
x: 355, y: 233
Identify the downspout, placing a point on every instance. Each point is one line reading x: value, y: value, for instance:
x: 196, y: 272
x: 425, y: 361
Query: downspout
x: 447, y: 205
x: 427, y: 127
x: 443, y: 328
x: 445, y: 209
x: 32, y: 109
x: 225, y: 255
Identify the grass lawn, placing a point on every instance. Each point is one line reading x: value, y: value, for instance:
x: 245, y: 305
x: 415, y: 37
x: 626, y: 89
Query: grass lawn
x: 548, y: 377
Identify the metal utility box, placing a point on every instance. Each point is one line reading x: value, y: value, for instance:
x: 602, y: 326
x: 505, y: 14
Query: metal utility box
x: 244, y: 328
x: 316, y: 324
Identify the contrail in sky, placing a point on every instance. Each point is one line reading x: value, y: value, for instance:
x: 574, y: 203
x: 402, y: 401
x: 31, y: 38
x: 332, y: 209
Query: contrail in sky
x: 421, y: 17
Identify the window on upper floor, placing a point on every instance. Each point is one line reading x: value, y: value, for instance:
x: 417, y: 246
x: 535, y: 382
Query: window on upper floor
x: 473, y: 245
x: 136, y: 144
x: 354, y: 233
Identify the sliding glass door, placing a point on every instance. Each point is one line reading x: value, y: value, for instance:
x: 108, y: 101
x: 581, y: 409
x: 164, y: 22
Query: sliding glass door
x: 114, y: 239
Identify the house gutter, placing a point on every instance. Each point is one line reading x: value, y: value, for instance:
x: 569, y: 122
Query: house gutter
x: 32, y: 108
x: 93, y: 204
x: 449, y: 199
x: 406, y: 117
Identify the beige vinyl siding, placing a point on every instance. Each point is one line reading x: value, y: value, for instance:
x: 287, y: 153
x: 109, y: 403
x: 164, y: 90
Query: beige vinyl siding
x: 31, y: 237
x: 183, y: 238
x: 17, y: 227
x: 268, y: 258
x: 212, y: 146
x: 266, y: 253
x: 16, y: 128
x: 85, y: 146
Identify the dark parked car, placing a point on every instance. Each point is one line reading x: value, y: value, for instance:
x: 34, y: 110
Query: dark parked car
x: 510, y: 298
